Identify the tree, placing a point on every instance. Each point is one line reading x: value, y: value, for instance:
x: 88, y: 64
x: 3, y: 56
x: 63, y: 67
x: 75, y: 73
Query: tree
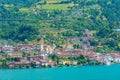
x: 53, y: 57
x: 24, y: 33
x: 81, y: 57
x: 76, y: 46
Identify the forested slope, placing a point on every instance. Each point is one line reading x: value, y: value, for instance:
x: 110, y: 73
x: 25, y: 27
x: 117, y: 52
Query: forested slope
x: 57, y: 20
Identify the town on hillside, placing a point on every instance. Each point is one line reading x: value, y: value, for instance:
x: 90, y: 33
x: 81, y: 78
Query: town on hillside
x: 21, y: 55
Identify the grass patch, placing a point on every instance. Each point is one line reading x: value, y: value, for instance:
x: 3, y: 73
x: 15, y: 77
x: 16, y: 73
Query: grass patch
x: 56, y: 6
x: 25, y: 10
x: 53, y: 1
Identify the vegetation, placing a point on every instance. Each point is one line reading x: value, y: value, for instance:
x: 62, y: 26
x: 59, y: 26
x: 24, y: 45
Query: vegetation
x: 56, y: 20
x: 80, y: 59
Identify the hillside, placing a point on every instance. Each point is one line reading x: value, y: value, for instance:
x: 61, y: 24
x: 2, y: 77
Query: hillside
x: 57, y: 20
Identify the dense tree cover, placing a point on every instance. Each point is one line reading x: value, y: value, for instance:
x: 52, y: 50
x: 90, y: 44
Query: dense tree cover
x: 23, y: 33
x: 100, y: 16
x: 19, y: 3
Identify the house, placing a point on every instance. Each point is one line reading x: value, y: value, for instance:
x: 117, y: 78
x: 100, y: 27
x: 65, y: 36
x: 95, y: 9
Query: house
x: 74, y: 62
x: 67, y: 54
x: 2, y: 58
x: 73, y: 40
x: 33, y: 58
x: 45, y: 62
x: 30, y: 58
x: 54, y: 63
x: 36, y: 64
x: 25, y: 46
x: 109, y: 58
x: 65, y: 62
x: 93, y: 61
x: 26, y: 64
x: 15, y: 64
x: 107, y: 62
x: 11, y: 65
x: 19, y: 64
x: 17, y: 55
x: 64, y: 55
x: 43, y: 55
x: 7, y: 49
x: 117, y: 59
x: 46, y: 48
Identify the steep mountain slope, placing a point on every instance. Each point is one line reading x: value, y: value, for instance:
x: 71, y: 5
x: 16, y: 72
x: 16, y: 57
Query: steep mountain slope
x: 58, y: 20
x: 19, y: 3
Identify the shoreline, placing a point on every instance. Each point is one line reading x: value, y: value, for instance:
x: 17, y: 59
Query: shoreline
x: 56, y: 67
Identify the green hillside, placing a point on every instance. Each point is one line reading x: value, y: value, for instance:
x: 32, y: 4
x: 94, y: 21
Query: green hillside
x: 57, y: 20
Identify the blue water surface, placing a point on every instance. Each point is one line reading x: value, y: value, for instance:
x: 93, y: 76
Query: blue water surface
x: 64, y: 73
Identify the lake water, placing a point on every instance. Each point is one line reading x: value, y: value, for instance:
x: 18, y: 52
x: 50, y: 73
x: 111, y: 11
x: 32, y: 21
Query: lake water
x: 64, y: 73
